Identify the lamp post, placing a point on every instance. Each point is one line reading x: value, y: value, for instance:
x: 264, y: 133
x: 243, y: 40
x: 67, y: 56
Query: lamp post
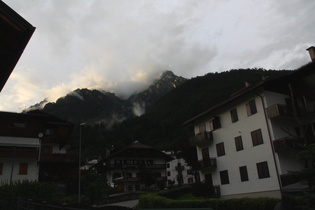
x: 79, y: 191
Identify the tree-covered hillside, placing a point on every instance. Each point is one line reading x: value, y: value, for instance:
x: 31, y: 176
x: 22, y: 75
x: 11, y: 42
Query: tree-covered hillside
x: 161, y: 126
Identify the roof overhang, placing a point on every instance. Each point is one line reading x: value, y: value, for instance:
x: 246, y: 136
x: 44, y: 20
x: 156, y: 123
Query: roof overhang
x: 14, y: 36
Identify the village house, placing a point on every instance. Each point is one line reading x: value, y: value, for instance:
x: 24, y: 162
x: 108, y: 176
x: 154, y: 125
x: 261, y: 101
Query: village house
x: 242, y: 143
x: 135, y: 167
x: 178, y: 172
x: 33, y: 146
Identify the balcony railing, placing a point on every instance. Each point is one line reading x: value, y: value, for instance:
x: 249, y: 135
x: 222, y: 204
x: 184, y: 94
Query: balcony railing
x: 18, y: 153
x: 133, y: 166
x: 284, y: 144
x: 201, y: 138
x: 56, y: 157
x: 204, y: 164
x: 278, y: 110
x: 137, y: 179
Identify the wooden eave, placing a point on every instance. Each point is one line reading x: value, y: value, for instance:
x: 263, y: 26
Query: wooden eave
x: 14, y: 36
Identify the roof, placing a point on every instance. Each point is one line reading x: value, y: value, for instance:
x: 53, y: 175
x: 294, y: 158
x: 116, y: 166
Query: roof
x: 37, y: 114
x: 137, y: 150
x: 230, y: 99
x: 275, y: 84
x: 14, y: 36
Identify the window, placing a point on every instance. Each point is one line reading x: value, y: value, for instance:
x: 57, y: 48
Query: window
x: 205, y: 153
x: 251, y: 107
x: 215, y: 123
x: 1, y: 168
x: 168, y: 165
x: 127, y: 175
x: 23, y: 168
x: 18, y: 125
x: 257, y: 138
x: 220, y: 149
x: 224, y: 176
x: 117, y: 162
x: 262, y: 169
x: 202, y: 128
x: 243, y: 173
x: 234, y: 116
x: 168, y: 173
x: 238, y: 143
x: 127, y: 162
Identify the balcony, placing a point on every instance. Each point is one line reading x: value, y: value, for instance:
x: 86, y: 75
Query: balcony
x: 133, y: 166
x: 284, y: 144
x: 18, y: 153
x: 203, y: 138
x: 207, y: 164
x: 278, y: 110
x: 56, y: 157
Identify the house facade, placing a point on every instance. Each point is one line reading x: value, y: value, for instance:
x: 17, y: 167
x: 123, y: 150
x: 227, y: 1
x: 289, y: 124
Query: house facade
x: 178, y: 172
x: 243, y: 143
x: 33, y: 146
x: 135, y: 167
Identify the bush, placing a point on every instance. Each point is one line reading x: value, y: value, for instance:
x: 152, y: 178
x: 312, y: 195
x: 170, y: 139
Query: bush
x: 95, y: 188
x: 163, y: 200
x: 9, y: 194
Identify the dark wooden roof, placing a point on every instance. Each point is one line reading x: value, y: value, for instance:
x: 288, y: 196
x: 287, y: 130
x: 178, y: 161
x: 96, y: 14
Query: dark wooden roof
x: 36, y: 115
x: 14, y: 36
x: 138, y: 150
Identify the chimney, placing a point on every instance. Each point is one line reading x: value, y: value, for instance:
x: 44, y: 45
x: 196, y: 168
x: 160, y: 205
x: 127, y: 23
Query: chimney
x: 311, y: 50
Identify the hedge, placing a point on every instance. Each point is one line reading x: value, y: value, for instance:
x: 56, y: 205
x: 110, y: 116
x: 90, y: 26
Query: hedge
x: 163, y: 200
x: 9, y: 194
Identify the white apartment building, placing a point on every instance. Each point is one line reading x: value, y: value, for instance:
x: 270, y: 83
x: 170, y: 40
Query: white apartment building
x: 242, y: 142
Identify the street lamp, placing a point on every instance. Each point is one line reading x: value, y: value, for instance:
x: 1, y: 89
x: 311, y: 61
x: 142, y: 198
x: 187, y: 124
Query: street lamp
x: 79, y: 193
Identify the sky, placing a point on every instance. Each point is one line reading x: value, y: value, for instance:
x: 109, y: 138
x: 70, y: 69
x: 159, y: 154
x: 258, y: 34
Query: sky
x: 121, y: 46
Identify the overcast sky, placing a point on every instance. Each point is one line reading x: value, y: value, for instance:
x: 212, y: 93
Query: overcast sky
x: 122, y: 45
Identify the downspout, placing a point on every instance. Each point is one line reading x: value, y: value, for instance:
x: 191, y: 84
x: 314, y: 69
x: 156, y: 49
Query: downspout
x: 272, y: 146
x: 12, y: 166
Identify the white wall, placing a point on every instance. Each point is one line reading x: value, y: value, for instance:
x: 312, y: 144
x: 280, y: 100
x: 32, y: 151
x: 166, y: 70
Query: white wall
x: 251, y: 155
x: 32, y: 172
x: 173, y: 172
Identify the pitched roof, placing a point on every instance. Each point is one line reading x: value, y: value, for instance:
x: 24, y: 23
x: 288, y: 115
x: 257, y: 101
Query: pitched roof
x: 14, y: 36
x: 275, y: 84
x: 137, y: 150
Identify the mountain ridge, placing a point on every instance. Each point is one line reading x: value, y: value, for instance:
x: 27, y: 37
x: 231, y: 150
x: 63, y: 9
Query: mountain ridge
x: 100, y: 106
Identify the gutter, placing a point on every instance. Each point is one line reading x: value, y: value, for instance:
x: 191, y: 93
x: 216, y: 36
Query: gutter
x: 271, y: 144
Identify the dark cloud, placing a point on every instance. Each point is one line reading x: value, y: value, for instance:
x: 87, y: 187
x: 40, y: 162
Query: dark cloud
x: 122, y: 45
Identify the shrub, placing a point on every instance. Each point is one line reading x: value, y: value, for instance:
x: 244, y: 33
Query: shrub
x: 26, y: 190
x: 163, y: 200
